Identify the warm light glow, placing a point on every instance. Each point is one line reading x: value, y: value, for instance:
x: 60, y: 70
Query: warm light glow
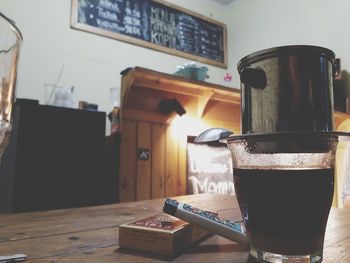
x: 186, y: 125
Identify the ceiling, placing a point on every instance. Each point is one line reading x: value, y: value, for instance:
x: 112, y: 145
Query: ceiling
x: 223, y: 2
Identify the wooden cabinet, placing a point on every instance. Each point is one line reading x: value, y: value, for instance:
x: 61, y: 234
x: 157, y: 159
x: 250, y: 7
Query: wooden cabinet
x: 342, y: 123
x: 153, y: 144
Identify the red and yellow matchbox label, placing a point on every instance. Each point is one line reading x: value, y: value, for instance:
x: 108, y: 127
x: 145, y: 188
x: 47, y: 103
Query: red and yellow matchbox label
x: 160, y: 221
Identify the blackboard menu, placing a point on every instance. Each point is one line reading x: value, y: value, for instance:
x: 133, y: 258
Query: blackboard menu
x: 209, y: 169
x: 154, y: 24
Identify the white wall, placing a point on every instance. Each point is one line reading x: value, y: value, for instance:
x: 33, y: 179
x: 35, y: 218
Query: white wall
x: 259, y: 24
x: 91, y: 63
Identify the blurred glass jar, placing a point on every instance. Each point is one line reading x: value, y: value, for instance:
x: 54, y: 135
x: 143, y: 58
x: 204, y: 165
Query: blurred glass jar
x: 10, y: 44
x: 114, y: 94
x: 59, y: 96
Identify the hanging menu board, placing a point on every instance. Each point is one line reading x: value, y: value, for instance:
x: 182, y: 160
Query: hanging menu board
x: 154, y: 24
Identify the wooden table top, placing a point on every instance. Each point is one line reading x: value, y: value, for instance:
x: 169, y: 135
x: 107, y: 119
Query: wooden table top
x: 90, y: 234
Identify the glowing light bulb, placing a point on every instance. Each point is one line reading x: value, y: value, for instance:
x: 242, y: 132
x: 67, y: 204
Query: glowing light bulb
x: 187, y: 125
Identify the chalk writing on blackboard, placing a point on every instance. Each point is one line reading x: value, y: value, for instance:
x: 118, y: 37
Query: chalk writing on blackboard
x: 154, y: 24
x: 163, y: 26
x: 209, y: 169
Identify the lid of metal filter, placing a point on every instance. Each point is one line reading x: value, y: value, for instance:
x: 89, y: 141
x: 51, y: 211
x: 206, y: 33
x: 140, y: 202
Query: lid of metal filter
x: 294, y: 50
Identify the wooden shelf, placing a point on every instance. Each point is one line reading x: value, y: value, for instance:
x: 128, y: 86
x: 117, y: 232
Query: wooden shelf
x: 148, y: 132
x: 143, y: 89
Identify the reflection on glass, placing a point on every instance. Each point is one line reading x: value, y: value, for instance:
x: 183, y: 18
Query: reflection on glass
x: 10, y: 43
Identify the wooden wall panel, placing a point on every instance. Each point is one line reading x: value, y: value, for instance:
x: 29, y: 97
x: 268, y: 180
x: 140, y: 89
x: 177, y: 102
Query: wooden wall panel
x: 158, y: 161
x: 344, y: 126
x: 225, y: 115
x: 171, y: 163
x: 143, y: 174
x: 127, y: 177
x: 143, y: 125
x: 182, y: 166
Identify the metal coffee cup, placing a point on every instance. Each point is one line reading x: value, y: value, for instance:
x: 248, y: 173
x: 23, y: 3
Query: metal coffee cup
x: 287, y: 88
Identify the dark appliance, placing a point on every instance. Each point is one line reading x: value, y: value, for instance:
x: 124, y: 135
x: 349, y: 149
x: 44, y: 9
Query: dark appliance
x: 55, y: 159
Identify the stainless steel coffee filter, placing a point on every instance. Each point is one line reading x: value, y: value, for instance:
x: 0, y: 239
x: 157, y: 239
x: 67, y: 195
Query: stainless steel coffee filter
x: 287, y: 88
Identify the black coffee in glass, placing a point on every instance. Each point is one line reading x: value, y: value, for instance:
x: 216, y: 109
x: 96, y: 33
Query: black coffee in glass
x: 285, y: 211
x: 284, y: 185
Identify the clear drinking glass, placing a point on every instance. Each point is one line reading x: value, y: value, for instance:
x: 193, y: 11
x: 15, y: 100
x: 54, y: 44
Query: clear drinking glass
x: 10, y: 43
x: 284, y: 186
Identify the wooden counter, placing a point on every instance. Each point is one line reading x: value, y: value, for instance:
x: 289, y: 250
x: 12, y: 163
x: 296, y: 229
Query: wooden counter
x: 145, y: 129
x: 163, y: 137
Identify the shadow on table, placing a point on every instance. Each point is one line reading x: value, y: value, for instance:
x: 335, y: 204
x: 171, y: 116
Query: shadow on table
x: 216, y: 244
x: 223, y: 247
x: 214, y: 248
x: 139, y: 253
x: 213, y: 244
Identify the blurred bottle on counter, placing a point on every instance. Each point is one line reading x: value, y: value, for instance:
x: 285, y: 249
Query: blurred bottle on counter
x: 114, y: 119
x: 84, y: 105
x: 114, y: 114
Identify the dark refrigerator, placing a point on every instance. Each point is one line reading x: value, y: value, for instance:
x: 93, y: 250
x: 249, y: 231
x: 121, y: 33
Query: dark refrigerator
x: 55, y: 160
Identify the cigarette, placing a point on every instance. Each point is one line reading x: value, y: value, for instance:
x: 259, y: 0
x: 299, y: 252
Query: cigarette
x: 207, y: 220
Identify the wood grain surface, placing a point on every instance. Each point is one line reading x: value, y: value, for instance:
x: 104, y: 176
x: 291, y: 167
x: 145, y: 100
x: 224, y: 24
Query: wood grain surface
x: 143, y: 125
x: 127, y: 177
x: 90, y: 234
x: 143, y: 174
x: 158, y: 164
